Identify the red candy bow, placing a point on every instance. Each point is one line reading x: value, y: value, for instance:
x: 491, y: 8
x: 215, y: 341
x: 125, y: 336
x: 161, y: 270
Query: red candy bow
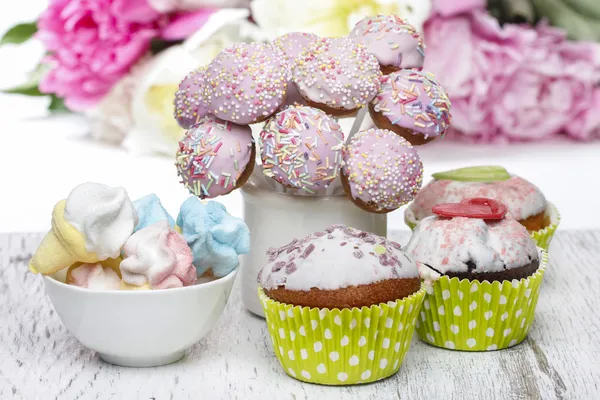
x: 472, y: 208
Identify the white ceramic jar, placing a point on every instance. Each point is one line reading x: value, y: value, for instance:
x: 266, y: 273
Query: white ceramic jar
x: 275, y: 219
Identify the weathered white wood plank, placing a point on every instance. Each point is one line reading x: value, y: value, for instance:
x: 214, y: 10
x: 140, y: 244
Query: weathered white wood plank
x: 559, y: 360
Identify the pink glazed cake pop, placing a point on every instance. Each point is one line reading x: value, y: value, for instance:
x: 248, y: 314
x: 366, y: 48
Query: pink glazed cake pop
x: 396, y: 43
x: 292, y: 44
x: 189, y: 106
x: 301, y: 147
x: 246, y: 83
x: 382, y: 171
x: 337, y: 75
x: 215, y: 157
x: 412, y: 104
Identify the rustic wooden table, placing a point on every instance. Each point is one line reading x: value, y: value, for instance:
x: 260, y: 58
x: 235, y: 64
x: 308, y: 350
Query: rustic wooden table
x: 39, y: 359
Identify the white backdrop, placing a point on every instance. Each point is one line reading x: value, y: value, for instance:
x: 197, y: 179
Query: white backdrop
x: 42, y: 158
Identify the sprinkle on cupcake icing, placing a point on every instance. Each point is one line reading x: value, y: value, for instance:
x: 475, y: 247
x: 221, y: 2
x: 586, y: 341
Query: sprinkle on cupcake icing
x: 213, y: 155
x: 383, y: 169
x: 522, y: 198
x: 337, y: 258
x: 302, y: 147
x: 471, y: 245
x: 246, y: 83
x: 294, y: 43
x: 338, y: 73
x: 414, y: 100
x: 189, y: 105
x: 392, y: 40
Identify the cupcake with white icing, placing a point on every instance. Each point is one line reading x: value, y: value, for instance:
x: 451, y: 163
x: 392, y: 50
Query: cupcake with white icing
x: 340, y: 306
x: 525, y: 202
x: 487, y: 272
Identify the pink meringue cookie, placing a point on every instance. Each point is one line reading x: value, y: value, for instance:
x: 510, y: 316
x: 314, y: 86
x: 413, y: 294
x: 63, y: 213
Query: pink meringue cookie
x: 94, y: 277
x: 246, y: 83
x: 160, y: 256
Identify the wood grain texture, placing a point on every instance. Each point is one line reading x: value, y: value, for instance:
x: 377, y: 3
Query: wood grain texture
x: 39, y: 359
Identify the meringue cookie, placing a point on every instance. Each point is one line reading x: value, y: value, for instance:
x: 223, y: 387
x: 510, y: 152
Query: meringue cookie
x: 216, y: 238
x: 150, y: 210
x: 158, y: 255
x: 94, y: 277
x: 105, y: 216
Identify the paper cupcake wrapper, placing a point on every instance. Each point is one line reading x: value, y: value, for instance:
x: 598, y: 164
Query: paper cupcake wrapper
x: 542, y: 237
x: 479, y: 316
x: 342, y: 347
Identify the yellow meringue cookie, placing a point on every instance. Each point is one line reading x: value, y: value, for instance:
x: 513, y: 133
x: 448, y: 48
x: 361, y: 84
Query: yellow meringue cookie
x: 127, y: 286
x: 62, y: 246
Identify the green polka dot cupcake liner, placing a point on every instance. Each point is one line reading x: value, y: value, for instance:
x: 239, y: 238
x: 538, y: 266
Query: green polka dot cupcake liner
x: 479, y: 315
x: 542, y: 238
x: 342, y: 347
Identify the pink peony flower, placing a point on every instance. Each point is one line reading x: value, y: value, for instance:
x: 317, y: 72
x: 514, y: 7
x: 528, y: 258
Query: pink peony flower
x: 512, y: 82
x: 93, y: 44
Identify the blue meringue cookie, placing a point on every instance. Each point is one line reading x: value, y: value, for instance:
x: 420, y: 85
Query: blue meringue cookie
x: 215, y: 237
x: 150, y: 211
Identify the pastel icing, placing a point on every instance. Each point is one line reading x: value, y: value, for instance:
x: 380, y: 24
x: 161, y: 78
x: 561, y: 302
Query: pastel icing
x: 414, y: 100
x: 383, y: 169
x: 189, y: 104
x: 471, y: 245
x: 105, y: 216
x: 338, y: 73
x: 246, y: 82
x: 216, y: 238
x: 302, y: 147
x: 337, y: 258
x: 159, y: 256
x: 392, y: 40
x: 212, y: 156
x: 95, y: 277
x: 150, y: 210
x: 522, y: 198
x: 294, y: 43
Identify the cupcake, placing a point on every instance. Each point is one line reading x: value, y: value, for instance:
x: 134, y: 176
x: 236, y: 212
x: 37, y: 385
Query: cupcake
x: 523, y: 200
x: 340, y: 306
x: 487, y: 272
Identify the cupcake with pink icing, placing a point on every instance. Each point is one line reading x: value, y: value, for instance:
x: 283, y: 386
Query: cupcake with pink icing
x: 336, y: 75
x: 382, y: 171
x: 301, y: 148
x: 189, y: 104
x: 486, y: 272
x: 215, y: 157
x: 525, y: 202
x: 412, y: 104
x: 246, y: 83
x: 396, y: 43
x: 157, y: 257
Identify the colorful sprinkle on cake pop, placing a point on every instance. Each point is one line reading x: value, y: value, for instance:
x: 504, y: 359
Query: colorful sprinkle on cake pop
x: 189, y: 106
x: 396, y: 43
x: 301, y: 147
x: 337, y: 75
x: 215, y: 157
x: 246, y: 83
x: 382, y: 171
x: 294, y: 43
x: 412, y: 104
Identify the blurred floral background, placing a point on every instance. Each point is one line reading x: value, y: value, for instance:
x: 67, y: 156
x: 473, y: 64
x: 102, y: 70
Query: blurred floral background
x: 515, y: 70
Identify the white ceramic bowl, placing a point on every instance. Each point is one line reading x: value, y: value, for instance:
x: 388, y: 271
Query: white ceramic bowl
x: 140, y: 328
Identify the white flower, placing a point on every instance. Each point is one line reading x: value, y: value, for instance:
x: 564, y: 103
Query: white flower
x: 331, y: 17
x: 140, y: 107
